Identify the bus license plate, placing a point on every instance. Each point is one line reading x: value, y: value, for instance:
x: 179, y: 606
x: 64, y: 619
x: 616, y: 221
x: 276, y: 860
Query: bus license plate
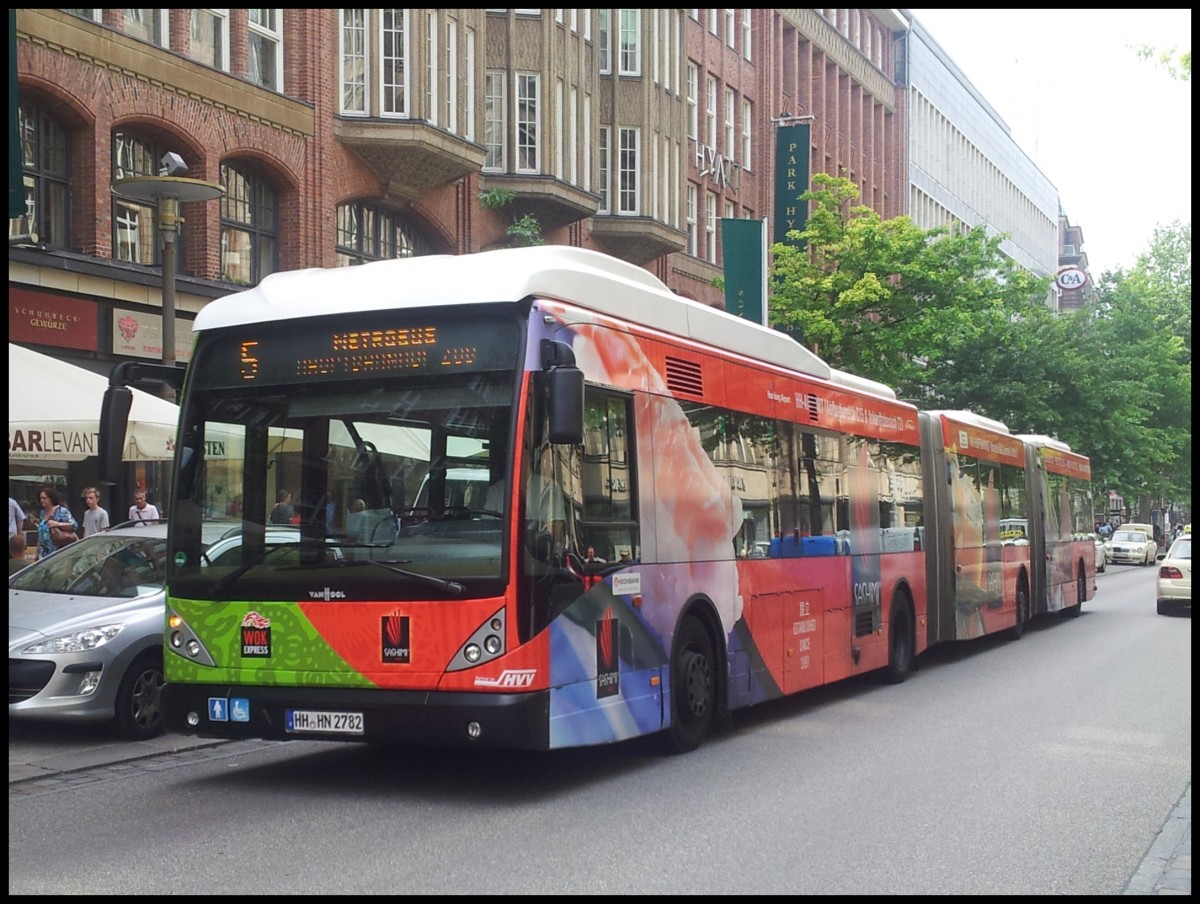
x: 302, y: 720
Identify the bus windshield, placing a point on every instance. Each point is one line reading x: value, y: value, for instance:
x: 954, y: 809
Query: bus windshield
x: 396, y: 481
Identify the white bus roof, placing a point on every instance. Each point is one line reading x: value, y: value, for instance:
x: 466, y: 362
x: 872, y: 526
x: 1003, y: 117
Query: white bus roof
x: 1039, y: 440
x: 970, y: 417
x: 589, y: 279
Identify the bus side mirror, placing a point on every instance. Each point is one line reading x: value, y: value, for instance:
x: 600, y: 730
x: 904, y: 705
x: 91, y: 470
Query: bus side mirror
x: 110, y: 442
x: 566, y: 405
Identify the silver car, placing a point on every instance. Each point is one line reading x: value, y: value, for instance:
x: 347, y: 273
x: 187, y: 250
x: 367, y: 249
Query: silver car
x: 85, y: 629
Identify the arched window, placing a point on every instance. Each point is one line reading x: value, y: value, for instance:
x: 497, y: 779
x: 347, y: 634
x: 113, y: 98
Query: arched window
x: 134, y: 223
x: 249, y: 226
x: 44, y: 162
x: 369, y: 233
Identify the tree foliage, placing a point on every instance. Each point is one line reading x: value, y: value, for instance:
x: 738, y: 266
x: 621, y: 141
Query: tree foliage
x: 949, y: 321
x: 524, y: 229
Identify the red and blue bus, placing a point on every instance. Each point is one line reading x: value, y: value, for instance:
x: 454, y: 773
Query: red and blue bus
x: 456, y: 432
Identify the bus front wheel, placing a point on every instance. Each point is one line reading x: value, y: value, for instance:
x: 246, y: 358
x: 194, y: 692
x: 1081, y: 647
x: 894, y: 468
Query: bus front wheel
x: 693, y: 687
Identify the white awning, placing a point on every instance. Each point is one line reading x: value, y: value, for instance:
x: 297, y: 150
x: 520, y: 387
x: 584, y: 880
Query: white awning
x: 54, y: 413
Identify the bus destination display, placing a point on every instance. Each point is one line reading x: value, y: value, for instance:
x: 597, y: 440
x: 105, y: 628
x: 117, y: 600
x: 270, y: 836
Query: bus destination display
x: 280, y: 355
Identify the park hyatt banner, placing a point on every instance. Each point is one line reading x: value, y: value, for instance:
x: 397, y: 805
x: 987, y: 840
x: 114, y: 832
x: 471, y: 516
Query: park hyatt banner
x: 744, y: 253
x: 792, y: 145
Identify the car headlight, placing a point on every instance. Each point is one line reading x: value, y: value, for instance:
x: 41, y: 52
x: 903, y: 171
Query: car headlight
x: 76, y: 641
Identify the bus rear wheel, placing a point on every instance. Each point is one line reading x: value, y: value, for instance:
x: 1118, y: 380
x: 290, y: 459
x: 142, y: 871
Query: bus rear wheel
x: 902, y: 656
x: 1017, y: 630
x: 693, y: 687
x: 1080, y: 593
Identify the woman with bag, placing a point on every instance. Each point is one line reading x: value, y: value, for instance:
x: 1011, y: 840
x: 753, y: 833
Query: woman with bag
x: 57, y: 527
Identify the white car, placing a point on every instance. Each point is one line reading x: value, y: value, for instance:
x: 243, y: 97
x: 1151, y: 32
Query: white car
x: 1131, y: 547
x: 1101, y: 552
x: 1175, y: 577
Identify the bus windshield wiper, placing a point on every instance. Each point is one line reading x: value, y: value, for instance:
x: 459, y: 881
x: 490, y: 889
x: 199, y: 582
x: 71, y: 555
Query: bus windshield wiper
x: 448, y: 586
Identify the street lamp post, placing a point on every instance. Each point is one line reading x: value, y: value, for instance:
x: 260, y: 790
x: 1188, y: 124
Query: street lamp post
x: 167, y: 191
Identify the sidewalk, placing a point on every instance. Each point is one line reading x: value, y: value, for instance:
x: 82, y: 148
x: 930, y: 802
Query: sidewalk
x: 1167, y: 867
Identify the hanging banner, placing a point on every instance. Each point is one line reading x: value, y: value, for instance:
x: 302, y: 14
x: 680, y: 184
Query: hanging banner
x: 744, y: 252
x: 792, y: 145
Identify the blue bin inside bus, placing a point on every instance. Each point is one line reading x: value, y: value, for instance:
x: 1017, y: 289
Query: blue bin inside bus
x: 793, y: 547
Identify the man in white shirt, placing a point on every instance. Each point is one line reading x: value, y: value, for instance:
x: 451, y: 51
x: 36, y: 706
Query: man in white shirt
x: 141, y: 510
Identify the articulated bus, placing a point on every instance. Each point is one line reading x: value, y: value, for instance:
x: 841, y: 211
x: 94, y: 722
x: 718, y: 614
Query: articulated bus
x: 996, y: 507
x: 457, y: 430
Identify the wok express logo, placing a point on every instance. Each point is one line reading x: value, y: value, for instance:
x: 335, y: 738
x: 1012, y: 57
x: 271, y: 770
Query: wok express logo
x: 256, y: 636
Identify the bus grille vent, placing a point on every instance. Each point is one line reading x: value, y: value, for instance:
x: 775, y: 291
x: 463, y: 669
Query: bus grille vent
x: 810, y: 404
x: 684, y: 377
x: 864, y: 623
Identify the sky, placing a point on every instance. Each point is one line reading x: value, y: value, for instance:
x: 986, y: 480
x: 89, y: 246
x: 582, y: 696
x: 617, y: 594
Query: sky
x: 1111, y: 131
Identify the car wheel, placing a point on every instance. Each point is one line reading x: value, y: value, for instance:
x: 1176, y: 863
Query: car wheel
x: 139, y: 713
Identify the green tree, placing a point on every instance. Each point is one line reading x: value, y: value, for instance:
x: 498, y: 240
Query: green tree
x: 889, y: 301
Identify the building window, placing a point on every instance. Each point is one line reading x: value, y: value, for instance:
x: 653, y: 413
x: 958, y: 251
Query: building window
x: 393, y: 54
x: 147, y: 25
x: 44, y: 162
x: 452, y: 77
x: 693, y: 94
x: 604, y: 44
x: 210, y: 38
x: 605, y: 134
x: 266, y: 48
x: 730, y: 119
x: 628, y: 175
x: 730, y: 31
x: 710, y: 112
x: 631, y: 25
x: 746, y: 33
x: 493, y: 120
x: 355, y: 64
x: 134, y: 223
x: 431, y: 67
x: 469, y: 112
x: 528, y: 111
x: 712, y: 20
x: 747, y: 131
x: 366, y: 232
x: 249, y: 227
x: 710, y: 226
x: 692, y: 239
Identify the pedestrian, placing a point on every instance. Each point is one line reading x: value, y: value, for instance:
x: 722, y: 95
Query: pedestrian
x: 16, y: 517
x: 592, y: 558
x: 95, y: 519
x: 283, y: 511
x: 141, y: 510
x: 16, y: 552
x: 54, y: 514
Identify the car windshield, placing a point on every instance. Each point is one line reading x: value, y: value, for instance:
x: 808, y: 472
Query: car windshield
x: 1130, y: 536
x: 110, y: 565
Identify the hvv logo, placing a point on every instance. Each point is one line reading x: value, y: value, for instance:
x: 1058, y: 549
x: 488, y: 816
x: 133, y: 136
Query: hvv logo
x: 508, y: 678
